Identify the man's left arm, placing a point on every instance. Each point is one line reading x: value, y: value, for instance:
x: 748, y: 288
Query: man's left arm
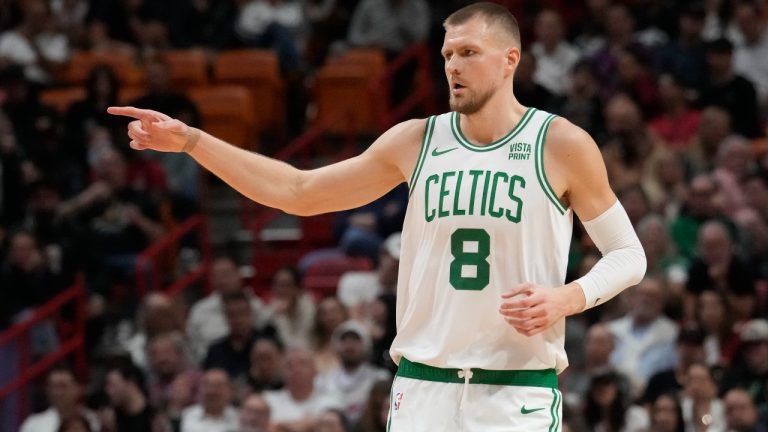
x: 577, y: 172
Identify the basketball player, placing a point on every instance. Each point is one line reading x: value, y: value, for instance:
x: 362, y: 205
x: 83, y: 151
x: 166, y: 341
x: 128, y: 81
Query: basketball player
x: 493, y: 189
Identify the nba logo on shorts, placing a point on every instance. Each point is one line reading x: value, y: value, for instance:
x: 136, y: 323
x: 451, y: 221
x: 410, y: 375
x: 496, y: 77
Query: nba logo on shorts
x: 398, y: 399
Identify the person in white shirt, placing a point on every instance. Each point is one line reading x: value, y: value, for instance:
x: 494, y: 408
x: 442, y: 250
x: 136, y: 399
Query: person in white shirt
x: 254, y: 414
x: 214, y: 413
x: 555, y: 57
x: 63, y: 392
x: 206, y: 322
x: 33, y: 44
x: 645, y: 339
x: 353, y: 379
x: 751, y: 57
x: 359, y: 289
x: 297, y: 406
x: 293, y: 309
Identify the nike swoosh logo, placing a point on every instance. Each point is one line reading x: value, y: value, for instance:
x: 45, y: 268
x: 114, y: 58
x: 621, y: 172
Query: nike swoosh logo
x: 436, y: 151
x: 524, y: 410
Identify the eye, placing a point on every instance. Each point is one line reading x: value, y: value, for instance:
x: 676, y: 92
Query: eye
x: 447, y: 56
x: 469, y: 52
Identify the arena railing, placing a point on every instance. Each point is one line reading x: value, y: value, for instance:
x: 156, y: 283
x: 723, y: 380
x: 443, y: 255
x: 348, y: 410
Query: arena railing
x: 15, y: 341
x: 152, y: 272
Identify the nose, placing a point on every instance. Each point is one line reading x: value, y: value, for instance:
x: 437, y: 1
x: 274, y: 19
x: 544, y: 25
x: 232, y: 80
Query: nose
x: 451, y: 67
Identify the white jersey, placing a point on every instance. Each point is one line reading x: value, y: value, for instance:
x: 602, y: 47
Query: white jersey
x: 480, y: 220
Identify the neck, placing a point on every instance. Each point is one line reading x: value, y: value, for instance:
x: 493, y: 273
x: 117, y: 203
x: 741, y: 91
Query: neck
x: 67, y: 411
x: 301, y: 393
x: 722, y: 76
x: 499, y: 115
x: 215, y: 411
x: 351, y: 367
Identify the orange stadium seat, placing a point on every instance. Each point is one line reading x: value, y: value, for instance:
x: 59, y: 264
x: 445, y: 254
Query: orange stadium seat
x: 258, y: 70
x: 373, y: 59
x: 62, y: 98
x: 347, y: 99
x: 123, y: 65
x: 186, y: 68
x: 128, y: 94
x: 227, y: 112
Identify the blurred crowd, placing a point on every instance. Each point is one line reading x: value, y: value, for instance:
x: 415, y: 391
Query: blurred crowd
x: 675, y: 93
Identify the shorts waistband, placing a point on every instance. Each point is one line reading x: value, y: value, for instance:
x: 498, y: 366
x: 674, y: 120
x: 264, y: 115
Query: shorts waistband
x: 546, y: 378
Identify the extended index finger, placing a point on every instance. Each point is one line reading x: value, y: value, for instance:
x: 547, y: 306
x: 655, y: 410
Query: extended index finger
x: 138, y: 113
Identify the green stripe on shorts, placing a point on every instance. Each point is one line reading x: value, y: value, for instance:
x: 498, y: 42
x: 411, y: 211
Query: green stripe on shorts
x: 546, y: 378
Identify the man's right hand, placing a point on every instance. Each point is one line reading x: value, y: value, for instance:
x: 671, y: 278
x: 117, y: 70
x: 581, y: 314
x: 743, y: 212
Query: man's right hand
x: 154, y: 130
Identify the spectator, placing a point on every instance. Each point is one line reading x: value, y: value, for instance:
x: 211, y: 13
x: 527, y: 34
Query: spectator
x: 300, y: 403
x: 389, y: 24
x: 330, y: 314
x: 700, y: 206
x: 666, y: 414
x: 628, y: 148
x: 740, y: 412
x: 35, y: 43
x: 169, y: 372
x: 121, y: 220
x: 599, y: 343
x: 372, y: 419
x: 357, y: 289
x: 28, y: 279
x: 232, y: 353
x: 751, y: 57
x: 33, y: 126
x: 714, y: 128
x: 214, y: 413
x: 293, y: 309
x: 754, y: 243
x: 353, y: 380
x: 734, y: 164
x: 635, y: 80
x: 751, y: 371
x: 582, y: 104
x: 664, y: 262
x: 689, y: 350
x: 268, y: 24
x: 528, y: 91
x: 713, y: 312
x: 254, y: 414
x: 266, y: 369
x: 383, y: 327
x: 684, y: 58
x: 644, y: 338
x: 64, y: 393
x: 206, y: 322
x: 555, y: 57
x: 718, y: 268
x: 160, y: 96
x: 158, y: 314
x: 606, y: 406
x: 702, y: 410
x: 620, y: 32
x: 125, y: 386
x: 678, y: 123
x: 101, y: 92
x: 729, y: 90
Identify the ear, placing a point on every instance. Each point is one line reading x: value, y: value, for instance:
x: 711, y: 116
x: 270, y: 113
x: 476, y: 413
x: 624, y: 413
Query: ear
x: 513, y: 59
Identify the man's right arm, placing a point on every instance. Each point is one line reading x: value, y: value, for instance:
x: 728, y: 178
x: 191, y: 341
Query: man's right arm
x: 340, y: 186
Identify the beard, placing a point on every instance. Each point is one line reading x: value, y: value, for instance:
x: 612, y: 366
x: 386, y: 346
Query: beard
x: 470, y: 102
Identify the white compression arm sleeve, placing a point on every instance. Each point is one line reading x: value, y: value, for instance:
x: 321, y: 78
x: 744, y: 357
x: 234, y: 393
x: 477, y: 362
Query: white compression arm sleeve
x: 623, y: 263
